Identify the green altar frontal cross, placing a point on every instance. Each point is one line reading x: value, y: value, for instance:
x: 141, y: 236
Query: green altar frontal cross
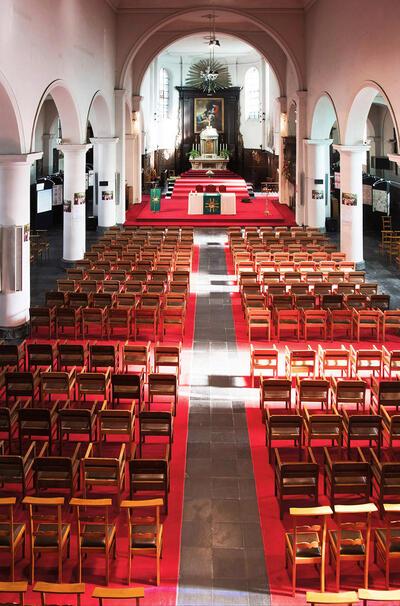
x: 155, y: 199
x: 212, y: 204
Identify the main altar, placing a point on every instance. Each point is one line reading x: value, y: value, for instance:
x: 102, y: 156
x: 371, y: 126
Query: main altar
x: 210, y: 158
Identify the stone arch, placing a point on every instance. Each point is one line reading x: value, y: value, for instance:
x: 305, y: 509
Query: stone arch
x: 359, y: 110
x: 12, y: 140
x: 67, y: 110
x: 324, y: 117
x: 168, y: 21
x: 99, y: 116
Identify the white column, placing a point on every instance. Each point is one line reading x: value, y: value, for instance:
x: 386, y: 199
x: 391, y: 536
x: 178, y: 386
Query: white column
x: 104, y: 149
x: 48, y: 146
x: 301, y: 133
x: 74, y: 232
x: 283, y: 127
x: 137, y: 150
x: 316, y: 169
x: 351, y: 201
x: 15, y: 212
x: 120, y: 151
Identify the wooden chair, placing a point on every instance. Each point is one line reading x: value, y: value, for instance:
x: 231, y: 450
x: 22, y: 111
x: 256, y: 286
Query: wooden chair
x: 57, y: 383
x: 168, y: 356
x: 12, y: 534
x: 54, y: 299
x: 11, y: 356
x: 367, y: 319
x: 68, y: 318
x: 297, y: 478
x: 390, y: 321
x: 18, y: 587
x: 8, y: 421
x: 136, y: 355
x: 387, y: 539
x: 93, y: 384
x: 41, y: 318
x: 96, y: 534
x: 323, y: 426
x: 381, y: 302
x: 119, y: 319
x: 119, y: 594
x: 300, y: 362
x: 155, y: 424
x: 77, y: 300
x: 56, y: 472
x: 366, y: 360
x: 17, y: 469
x: 288, y: 320
x: 386, y: 476
x: 146, y: 319
x: 283, y: 426
x: 349, y: 392
x: 40, y: 355
x: 391, y: 425
x: 259, y: 319
x: 48, y: 532
x: 307, y: 544
x: 150, y: 475
x: 334, y: 361
x: 374, y: 595
x: 77, y: 421
x: 22, y: 385
x: 315, y: 391
x: 315, y: 319
x: 265, y: 360
x: 344, y: 598
x: 385, y: 392
x: 104, y: 471
x: 72, y: 355
x: 340, y: 320
x: 165, y: 386
x: 145, y: 531
x: 62, y: 589
x: 344, y: 477
x: 351, y: 541
x: 363, y: 427
x: 103, y: 356
x: 37, y: 422
x: 94, y: 317
x: 276, y: 392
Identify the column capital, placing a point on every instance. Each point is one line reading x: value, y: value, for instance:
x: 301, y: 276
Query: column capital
x: 50, y: 135
x: 301, y: 95
x: 104, y: 140
x: 136, y: 101
x: 74, y: 148
x: 20, y: 158
x: 326, y: 142
x: 352, y: 149
x: 394, y: 158
x: 119, y: 93
x: 282, y: 104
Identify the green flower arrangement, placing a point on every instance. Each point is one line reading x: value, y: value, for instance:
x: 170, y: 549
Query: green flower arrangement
x: 194, y: 153
x: 224, y: 153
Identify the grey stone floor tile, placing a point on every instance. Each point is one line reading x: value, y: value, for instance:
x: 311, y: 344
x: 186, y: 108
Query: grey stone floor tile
x: 227, y: 535
x: 200, y: 508
x: 225, y: 510
x: 225, y: 488
x: 194, y: 596
x: 197, y: 534
x: 196, y: 563
x: 229, y: 563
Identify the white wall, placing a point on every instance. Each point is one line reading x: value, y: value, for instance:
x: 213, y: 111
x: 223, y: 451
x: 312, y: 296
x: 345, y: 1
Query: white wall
x: 42, y: 41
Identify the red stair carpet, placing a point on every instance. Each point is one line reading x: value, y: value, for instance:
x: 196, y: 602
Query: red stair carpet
x: 272, y: 527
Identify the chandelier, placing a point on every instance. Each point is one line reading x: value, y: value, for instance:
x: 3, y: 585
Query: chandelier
x: 209, y: 75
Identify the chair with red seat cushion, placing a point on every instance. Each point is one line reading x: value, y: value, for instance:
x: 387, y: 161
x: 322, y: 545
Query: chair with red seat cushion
x: 210, y: 188
x: 199, y: 188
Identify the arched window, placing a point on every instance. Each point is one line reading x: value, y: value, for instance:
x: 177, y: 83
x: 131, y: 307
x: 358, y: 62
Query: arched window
x: 252, y: 94
x: 163, y: 94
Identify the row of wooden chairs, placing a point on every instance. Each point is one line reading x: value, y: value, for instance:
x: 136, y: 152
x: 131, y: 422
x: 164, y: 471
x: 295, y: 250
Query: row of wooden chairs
x: 324, y: 362
x: 50, y: 531
x: 118, y: 595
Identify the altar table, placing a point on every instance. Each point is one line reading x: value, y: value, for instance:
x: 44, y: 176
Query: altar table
x: 195, y: 203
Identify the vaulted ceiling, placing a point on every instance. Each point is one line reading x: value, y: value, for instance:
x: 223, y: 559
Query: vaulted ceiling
x: 276, y: 5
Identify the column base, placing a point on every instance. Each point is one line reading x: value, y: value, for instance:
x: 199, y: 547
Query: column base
x: 360, y: 265
x: 13, y: 333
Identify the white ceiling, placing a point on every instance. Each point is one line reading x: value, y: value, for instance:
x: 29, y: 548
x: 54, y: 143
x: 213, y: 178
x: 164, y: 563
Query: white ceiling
x: 197, y: 44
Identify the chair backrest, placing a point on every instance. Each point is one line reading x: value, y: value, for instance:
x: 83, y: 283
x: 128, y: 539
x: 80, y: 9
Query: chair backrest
x: 63, y: 589
x: 7, y: 505
x: 45, y: 519
x: 92, y: 517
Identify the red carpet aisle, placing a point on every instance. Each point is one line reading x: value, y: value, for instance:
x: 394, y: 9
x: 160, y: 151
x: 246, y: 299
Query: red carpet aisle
x: 143, y: 567
x: 273, y: 528
x: 174, y: 212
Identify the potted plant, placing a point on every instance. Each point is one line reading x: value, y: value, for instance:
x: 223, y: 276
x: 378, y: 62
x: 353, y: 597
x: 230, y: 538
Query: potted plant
x: 224, y: 153
x: 194, y: 153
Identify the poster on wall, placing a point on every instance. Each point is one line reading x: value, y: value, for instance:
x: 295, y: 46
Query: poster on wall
x: 367, y: 195
x: 57, y: 192
x: 26, y: 232
x: 337, y: 180
x: 107, y: 194
x: 380, y: 201
x: 349, y: 199
x: 79, y: 199
x: 317, y: 194
x: 208, y: 111
x: 67, y: 206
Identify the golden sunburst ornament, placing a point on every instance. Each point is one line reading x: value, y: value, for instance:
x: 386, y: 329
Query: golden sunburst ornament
x: 209, y: 75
